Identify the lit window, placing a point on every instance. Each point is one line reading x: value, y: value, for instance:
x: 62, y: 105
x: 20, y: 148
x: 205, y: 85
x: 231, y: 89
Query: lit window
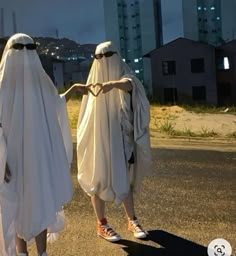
x: 213, y: 8
x: 226, y: 63
x: 223, y: 63
x: 58, y: 57
x: 137, y: 71
x: 53, y: 53
x: 199, y: 8
x: 124, y: 60
x: 57, y: 47
x: 218, y: 18
x: 204, y: 8
x: 136, y: 60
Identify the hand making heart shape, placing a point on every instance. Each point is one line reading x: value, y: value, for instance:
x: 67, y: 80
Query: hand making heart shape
x: 95, y: 94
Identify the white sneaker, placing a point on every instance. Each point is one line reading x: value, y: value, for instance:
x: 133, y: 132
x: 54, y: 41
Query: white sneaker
x: 105, y: 231
x: 136, y: 229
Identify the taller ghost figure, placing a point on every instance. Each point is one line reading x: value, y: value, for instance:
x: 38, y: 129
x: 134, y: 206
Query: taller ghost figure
x: 36, y: 147
x: 113, y: 146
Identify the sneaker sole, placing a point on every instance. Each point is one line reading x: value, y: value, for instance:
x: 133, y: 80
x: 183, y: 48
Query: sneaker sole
x: 114, y: 239
x: 140, y: 236
x: 143, y: 236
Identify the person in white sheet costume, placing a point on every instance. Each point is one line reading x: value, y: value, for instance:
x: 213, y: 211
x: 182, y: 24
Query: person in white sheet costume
x: 36, y: 145
x: 113, y: 146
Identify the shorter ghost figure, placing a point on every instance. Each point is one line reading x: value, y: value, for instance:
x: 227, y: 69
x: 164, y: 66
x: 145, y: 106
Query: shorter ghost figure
x: 36, y: 141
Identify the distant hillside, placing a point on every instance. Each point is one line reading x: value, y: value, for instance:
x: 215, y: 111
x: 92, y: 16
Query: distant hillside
x: 64, y: 49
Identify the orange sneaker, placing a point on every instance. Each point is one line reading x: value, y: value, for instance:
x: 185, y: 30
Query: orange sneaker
x: 136, y: 229
x: 107, y: 232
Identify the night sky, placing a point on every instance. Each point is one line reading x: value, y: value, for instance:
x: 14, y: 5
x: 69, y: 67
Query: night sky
x: 79, y: 20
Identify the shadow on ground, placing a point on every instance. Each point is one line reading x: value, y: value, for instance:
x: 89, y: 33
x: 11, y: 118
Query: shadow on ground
x: 171, y: 245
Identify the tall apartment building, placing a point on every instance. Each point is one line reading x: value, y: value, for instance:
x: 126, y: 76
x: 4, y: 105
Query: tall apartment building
x: 135, y: 27
x: 210, y: 21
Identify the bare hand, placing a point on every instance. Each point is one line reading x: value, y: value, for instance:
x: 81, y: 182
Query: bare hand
x: 82, y: 89
x: 108, y: 86
x: 95, y: 94
x: 7, y: 177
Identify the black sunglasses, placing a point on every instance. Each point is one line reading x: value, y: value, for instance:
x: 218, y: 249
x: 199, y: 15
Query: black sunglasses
x: 106, y: 54
x: 19, y: 46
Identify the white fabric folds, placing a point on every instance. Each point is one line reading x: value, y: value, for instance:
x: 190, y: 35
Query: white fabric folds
x: 110, y: 129
x: 38, y: 145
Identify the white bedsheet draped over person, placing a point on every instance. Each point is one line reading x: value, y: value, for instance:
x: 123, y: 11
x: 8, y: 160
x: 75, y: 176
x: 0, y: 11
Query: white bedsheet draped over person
x: 108, y: 132
x: 38, y: 148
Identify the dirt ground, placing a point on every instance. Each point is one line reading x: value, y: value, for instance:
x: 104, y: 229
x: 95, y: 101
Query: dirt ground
x: 219, y: 124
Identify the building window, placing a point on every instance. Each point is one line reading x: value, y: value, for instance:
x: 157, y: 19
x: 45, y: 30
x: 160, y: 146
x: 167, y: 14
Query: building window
x: 223, y: 63
x: 199, y: 93
x: 197, y: 65
x: 213, y: 8
x: 168, y: 67
x: 170, y: 95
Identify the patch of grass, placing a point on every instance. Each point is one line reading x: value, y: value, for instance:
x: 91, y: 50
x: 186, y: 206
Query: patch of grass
x: 167, y: 127
x: 208, y: 133
x: 232, y: 135
x: 73, y: 106
x: 73, y: 121
x: 186, y: 132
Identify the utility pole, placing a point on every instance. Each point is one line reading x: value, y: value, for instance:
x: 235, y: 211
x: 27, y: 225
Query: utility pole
x: 14, y: 22
x: 2, y: 32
